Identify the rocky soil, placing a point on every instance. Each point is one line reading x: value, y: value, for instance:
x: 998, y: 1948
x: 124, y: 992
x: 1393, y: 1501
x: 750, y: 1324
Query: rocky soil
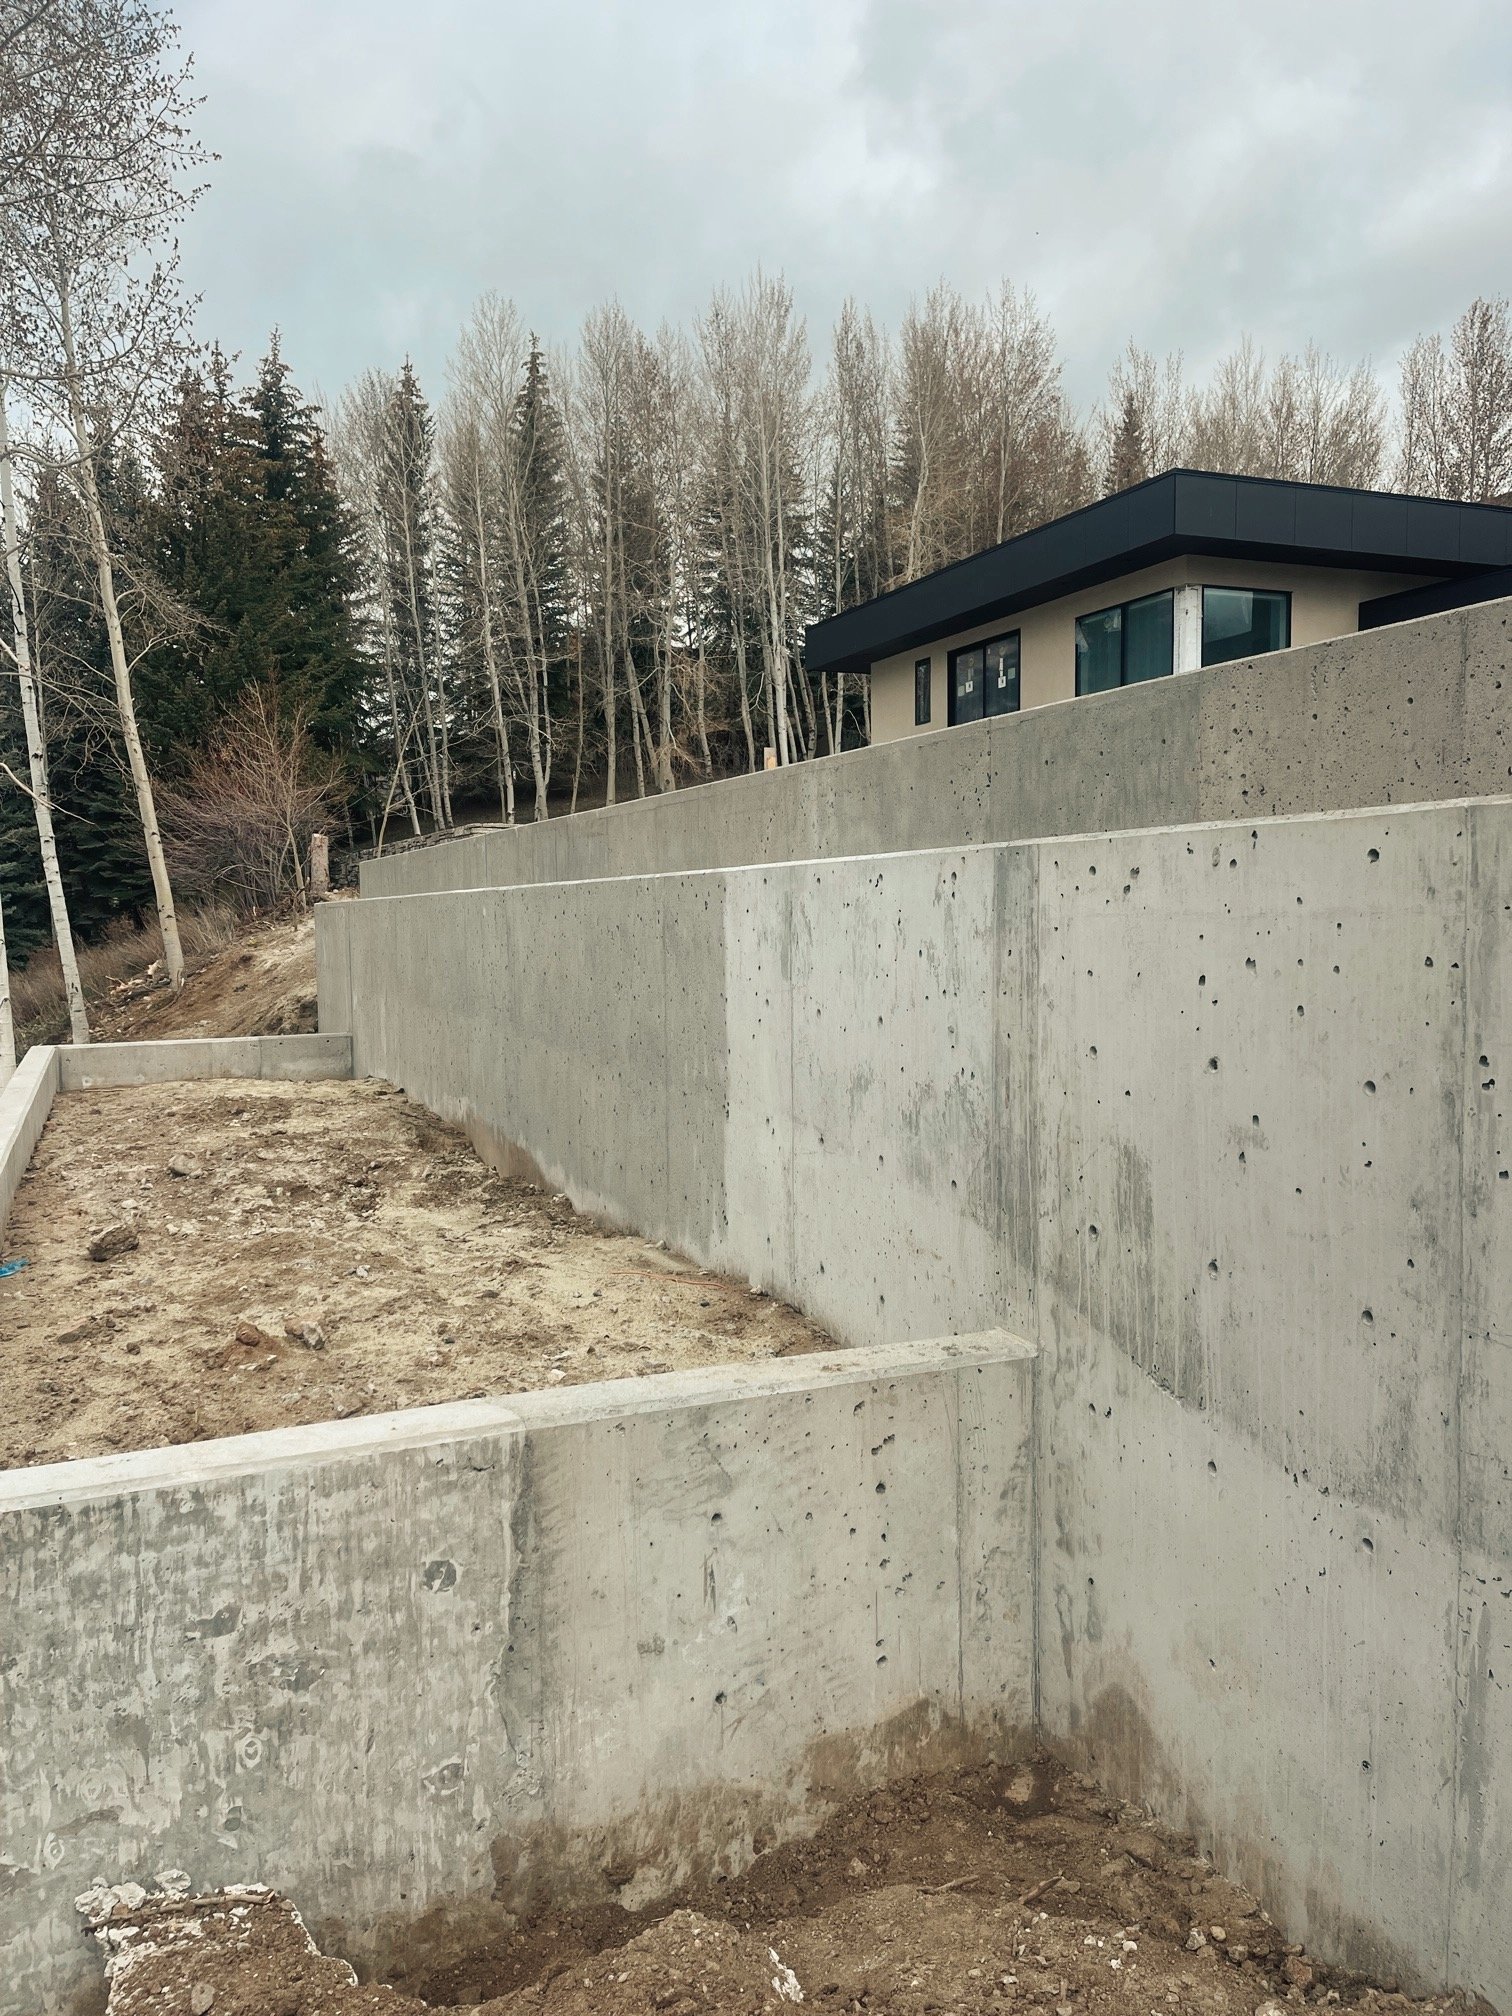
x: 975, y: 1894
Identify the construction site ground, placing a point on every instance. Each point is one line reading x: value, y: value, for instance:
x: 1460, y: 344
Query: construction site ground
x: 280, y: 1254
x: 1010, y: 1887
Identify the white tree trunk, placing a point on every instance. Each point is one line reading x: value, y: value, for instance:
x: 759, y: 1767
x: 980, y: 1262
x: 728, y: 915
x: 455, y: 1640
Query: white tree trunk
x: 7, y: 1021
x: 162, y: 888
x: 36, y: 751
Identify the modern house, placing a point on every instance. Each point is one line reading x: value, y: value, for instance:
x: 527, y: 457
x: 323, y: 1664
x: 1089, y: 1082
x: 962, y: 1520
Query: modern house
x: 1185, y: 570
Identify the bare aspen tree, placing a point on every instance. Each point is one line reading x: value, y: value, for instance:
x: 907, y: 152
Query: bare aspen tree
x: 357, y: 437
x: 7, y: 1017
x: 1456, y: 408
x: 19, y: 650
x: 95, y: 324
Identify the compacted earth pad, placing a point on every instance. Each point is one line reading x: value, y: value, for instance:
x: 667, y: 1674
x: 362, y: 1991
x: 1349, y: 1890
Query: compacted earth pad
x: 216, y: 1258
x: 978, y: 1892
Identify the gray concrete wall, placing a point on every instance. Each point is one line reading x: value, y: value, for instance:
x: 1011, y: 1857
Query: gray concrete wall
x: 1415, y: 712
x: 25, y: 1102
x: 425, y: 1666
x: 1213, y: 1115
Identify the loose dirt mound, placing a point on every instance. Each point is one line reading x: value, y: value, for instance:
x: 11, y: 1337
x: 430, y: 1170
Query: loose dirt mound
x: 262, y: 985
x: 279, y: 1254
x: 980, y: 1892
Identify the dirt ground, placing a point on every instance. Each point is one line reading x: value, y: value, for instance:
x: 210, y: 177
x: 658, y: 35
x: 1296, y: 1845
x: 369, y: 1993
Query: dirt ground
x: 984, y: 1891
x: 327, y: 1250
x: 262, y: 985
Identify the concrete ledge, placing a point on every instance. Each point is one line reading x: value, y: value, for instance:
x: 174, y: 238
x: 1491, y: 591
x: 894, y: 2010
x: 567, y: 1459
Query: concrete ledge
x: 416, y: 1671
x: 283, y: 1057
x: 25, y: 1103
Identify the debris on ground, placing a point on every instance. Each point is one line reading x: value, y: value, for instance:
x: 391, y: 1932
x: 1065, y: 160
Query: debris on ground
x: 976, y: 1893
x: 340, y: 1251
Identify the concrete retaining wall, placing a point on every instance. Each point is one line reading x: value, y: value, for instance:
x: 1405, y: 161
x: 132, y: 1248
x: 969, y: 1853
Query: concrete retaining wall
x: 1212, y: 1114
x: 423, y: 1666
x: 1411, y: 713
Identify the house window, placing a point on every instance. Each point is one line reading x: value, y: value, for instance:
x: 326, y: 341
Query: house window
x: 1125, y: 645
x: 984, y: 679
x: 1243, y: 623
x: 921, y: 692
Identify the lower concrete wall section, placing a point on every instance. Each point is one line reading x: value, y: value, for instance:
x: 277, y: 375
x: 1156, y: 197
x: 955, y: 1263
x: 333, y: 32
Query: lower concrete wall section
x: 423, y: 1666
x: 25, y: 1102
x: 1215, y: 1116
x: 1414, y: 712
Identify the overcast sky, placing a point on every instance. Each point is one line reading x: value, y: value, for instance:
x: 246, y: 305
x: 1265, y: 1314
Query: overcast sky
x: 1177, y: 171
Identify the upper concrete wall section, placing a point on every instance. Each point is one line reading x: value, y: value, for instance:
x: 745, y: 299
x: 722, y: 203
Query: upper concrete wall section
x: 1417, y: 712
x: 1216, y: 1116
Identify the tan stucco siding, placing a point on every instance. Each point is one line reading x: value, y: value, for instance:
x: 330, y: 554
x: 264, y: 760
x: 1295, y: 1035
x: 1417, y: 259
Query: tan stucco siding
x: 1325, y: 603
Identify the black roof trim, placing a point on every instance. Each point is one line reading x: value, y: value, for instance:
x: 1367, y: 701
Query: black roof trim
x: 1436, y: 598
x: 1185, y: 511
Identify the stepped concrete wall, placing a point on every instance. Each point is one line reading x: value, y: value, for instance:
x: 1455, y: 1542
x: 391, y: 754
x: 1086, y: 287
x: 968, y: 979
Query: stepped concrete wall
x: 421, y: 1670
x: 1215, y: 1116
x: 1411, y: 713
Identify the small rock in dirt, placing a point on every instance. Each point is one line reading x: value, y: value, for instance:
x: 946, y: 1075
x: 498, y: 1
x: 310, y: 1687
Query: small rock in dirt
x: 201, y: 1995
x: 182, y: 1165
x: 300, y: 1330
x: 112, y: 1241
x: 256, y: 1339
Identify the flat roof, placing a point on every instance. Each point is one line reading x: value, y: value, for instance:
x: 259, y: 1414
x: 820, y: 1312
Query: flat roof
x: 1185, y: 511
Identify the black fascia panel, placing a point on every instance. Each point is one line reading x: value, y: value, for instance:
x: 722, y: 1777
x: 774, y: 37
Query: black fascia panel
x: 1433, y: 532
x: 1266, y: 513
x: 1486, y: 536
x: 1437, y: 598
x: 1206, y: 506
x: 1379, y: 526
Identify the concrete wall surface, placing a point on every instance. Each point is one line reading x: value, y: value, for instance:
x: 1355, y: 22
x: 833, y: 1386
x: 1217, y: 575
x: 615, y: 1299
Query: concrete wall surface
x: 1411, y: 713
x: 1212, y: 1114
x: 25, y: 1102
x: 425, y: 1665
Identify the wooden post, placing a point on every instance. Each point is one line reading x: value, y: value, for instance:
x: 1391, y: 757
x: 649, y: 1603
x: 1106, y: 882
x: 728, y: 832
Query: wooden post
x: 320, y: 867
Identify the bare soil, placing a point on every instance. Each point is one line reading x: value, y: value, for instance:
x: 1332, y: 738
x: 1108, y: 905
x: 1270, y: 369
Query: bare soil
x: 336, y: 1215
x: 263, y: 984
x: 982, y: 1891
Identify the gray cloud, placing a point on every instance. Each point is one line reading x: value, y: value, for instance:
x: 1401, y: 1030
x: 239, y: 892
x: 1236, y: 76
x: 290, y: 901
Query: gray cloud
x: 1177, y: 172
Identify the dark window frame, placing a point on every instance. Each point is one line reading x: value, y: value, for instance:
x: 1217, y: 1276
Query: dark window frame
x: 984, y: 645
x: 1239, y: 588
x: 923, y: 690
x: 1123, y: 608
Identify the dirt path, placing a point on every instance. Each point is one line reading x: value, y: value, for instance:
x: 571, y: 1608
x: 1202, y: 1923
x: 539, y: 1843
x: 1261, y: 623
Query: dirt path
x: 983, y: 1892
x: 342, y: 1212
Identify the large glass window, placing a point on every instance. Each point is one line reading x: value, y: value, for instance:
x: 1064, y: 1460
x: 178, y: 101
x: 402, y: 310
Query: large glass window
x: 1002, y: 674
x: 1243, y: 623
x: 984, y: 679
x: 1126, y: 644
x: 966, y: 685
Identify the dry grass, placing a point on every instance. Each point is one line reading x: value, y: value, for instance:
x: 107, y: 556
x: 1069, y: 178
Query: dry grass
x: 125, y: 952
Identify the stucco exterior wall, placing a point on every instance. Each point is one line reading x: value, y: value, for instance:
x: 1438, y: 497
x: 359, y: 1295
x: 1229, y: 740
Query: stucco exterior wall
x: 1325, y: 603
